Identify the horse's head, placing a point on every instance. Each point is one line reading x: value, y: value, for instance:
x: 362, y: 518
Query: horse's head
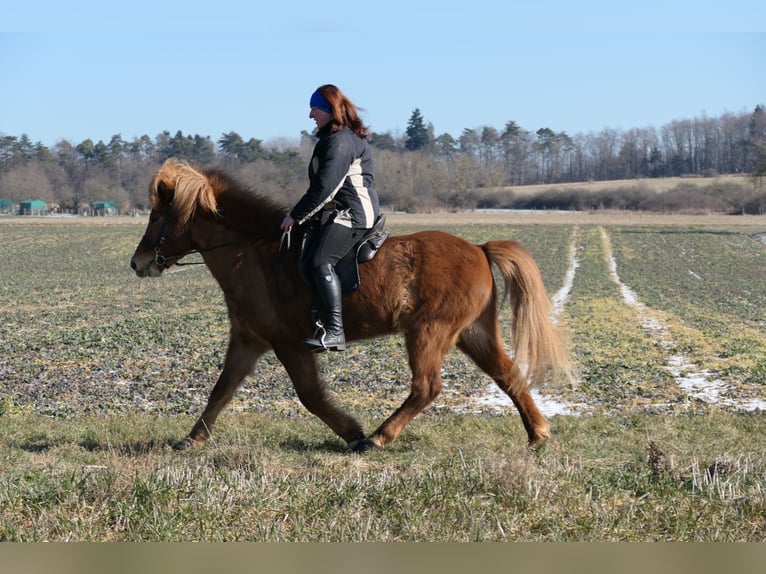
x: 176, y: 191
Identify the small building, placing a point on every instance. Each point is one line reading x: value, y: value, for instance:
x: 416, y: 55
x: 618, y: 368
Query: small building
x: 104, y: 208
x: 32, y: 207
x: 7, y: 206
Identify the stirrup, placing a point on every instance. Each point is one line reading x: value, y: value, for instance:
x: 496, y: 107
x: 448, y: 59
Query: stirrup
x: 319, y: 343
x: 316, y: 342
x: 319, y: 332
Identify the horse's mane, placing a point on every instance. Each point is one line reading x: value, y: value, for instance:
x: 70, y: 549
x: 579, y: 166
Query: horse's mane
x: 216, y: 192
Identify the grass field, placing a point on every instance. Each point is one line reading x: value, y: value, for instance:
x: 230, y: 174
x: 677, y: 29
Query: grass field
x: 100, y: 370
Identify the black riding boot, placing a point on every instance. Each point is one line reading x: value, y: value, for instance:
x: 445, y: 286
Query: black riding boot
x: 330, y: 334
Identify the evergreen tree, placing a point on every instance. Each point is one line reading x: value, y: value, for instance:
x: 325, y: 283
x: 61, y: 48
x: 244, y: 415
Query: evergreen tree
x: 383, y: 141
x: 417, y: 132
x: 252, y: 150
x: 757, y: 144
x: 231, y: 144
x: 87, y: 151
x: 26, y: 149
x: 446, y: 145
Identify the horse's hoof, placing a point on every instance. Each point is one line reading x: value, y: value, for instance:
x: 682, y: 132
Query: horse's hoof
x: 365, y: 446
x: 355, y: 444
x: 539, y: 444
x: 185, y: 444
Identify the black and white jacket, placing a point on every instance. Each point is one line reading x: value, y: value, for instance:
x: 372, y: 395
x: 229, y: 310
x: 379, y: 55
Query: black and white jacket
x: 340, y: 177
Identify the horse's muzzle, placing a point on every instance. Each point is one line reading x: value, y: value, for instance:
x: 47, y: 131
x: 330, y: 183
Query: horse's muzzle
x: 145, y: 268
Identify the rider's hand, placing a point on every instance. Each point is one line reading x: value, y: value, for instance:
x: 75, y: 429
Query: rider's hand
x: 287, y: 223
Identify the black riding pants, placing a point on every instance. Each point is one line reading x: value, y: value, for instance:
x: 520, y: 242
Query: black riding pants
x: 325, y: 245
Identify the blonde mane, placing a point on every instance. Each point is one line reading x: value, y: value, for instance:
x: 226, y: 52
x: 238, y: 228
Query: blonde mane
x: 190, y: 188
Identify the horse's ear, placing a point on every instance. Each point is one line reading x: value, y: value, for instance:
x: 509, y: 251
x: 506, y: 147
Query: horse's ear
x: 165, y: 192
x: 163, y: 186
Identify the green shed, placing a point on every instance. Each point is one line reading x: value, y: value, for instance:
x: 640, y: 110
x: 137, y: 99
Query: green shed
x: 32, y: 207
x: 104, y: 208
x: 6, y: 206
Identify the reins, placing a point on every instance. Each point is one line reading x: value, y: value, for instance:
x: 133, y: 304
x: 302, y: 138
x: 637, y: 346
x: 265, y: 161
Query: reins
x: 160, y: 260
x: 285, y: 240
x: 211, y: 248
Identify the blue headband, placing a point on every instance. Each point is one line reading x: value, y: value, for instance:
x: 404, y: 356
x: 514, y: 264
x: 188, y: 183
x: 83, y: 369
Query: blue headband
x: 319, y: 102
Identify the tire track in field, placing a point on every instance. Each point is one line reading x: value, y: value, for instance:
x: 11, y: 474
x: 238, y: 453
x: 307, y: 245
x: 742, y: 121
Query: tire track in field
x: 549, y: 406
x: 560, y: 298
x: 696, y: 383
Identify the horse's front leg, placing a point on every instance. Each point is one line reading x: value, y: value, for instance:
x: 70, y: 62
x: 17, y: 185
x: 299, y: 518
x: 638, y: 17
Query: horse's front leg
x: 241, y: 357
x: 425, y: 355
x: 300, y: 364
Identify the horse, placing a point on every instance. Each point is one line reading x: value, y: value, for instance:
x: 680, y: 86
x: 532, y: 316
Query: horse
x: 435, y: 288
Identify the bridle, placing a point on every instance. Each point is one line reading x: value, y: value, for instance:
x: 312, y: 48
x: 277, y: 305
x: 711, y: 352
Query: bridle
x: 161, y: 260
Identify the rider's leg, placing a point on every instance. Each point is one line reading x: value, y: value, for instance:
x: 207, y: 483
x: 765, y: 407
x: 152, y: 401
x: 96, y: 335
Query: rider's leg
x: 333, y: 242
x: 328, y: 288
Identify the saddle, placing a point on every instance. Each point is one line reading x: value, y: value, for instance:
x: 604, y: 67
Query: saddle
x: 365, y: 249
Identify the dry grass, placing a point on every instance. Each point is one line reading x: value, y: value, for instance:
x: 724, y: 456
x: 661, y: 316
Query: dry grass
x: 658, y: 185
x: 451, y: 478
x: 500, y: 217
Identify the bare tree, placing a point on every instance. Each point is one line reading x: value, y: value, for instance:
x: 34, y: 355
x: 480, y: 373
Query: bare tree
x: 26, y: 181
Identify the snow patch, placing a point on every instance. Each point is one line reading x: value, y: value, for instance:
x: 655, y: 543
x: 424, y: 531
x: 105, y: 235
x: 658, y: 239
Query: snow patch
x: 548, y: 406
x: 561, y: 296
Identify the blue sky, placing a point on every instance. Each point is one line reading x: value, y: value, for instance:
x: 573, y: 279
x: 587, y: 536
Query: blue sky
x: 87, y: 69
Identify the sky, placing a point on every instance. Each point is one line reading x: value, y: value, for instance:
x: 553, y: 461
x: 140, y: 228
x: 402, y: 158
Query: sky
x: 92, y: 69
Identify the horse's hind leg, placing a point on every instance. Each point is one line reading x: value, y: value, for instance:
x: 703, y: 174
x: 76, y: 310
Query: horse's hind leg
x: 482, y: 343
x: 301, y: 366
x: 241, y: 357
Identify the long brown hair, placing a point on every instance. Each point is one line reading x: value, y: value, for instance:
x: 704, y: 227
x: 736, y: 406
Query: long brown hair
x: 344, y: 113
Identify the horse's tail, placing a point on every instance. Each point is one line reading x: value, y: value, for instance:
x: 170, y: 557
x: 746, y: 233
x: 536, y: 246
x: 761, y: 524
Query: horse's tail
x: 536, y: 339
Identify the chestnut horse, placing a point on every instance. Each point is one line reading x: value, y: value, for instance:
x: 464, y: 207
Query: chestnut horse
x: 435, y: 288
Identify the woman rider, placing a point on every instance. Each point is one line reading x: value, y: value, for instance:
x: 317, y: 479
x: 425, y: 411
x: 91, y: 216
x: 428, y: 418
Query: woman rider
x: 340, y: 202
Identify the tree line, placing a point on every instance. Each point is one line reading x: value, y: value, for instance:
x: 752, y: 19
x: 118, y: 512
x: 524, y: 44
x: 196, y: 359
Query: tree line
x: 417, y: 170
